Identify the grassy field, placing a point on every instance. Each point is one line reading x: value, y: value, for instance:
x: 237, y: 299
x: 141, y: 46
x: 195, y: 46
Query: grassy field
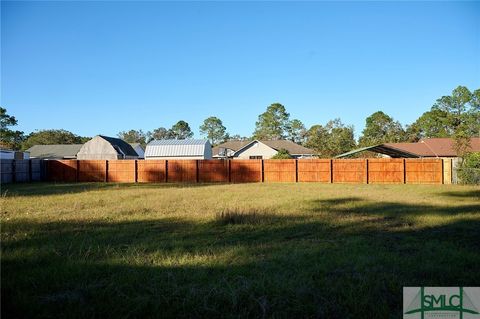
x: 251, y: 250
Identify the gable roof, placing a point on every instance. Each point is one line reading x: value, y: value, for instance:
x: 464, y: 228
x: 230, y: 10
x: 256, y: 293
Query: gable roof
x: 172, y: 148
x: 291, y: 147
x: 429, y: 147
x: 126, y: 148
x: 433, y: 147
x: 55, y: 150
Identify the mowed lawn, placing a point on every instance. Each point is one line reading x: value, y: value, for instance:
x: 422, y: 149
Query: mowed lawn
x: 249, y: 250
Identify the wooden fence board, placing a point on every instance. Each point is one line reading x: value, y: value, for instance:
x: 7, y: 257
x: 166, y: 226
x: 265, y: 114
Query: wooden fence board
x: 424, y: 171
x: 385, y: 171
x: 314, y: 170
x: 212, y: 171
x: 447, y: 171
x: 92, y: 170
x: 279, y: 170
x: 245, y: 171
x: 122, y: 171
x: 62, y: 171
x: 151, y: 171
x: 349, y: 171
x: 182, y: 171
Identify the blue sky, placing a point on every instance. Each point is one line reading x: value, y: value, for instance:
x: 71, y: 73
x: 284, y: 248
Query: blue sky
x: 102, y: 67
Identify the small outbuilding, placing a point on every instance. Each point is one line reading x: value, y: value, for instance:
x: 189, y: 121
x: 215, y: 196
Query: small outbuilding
x: 178, y: 149
x: 106, y: 148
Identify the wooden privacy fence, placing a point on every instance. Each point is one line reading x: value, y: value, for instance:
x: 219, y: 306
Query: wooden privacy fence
x: 21, y: 170
x: 366, y: 171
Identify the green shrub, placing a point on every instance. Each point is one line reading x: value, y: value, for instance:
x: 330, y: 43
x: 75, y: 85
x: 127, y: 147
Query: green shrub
x: 469, y: 171
x: 282, y: 154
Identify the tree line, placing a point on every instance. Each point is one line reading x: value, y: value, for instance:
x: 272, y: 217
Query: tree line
x: 456, y: 115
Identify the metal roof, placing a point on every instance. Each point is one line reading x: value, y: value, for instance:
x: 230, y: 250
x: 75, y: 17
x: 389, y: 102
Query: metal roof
x: 176, y: 148
x: 382, y: 149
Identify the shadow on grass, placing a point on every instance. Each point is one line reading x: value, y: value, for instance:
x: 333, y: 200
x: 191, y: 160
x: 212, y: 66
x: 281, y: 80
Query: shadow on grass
x: 464, y: 194
x: 39, y: 189
x: 281, y: 266
x: 392, y: 210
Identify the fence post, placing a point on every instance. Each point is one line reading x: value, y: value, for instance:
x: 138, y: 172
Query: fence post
x: 77, y: 171
x: 106, y: 171
x: 14, y: 171
x: 136, y: 172
x: 404, y: 170
x: 296, y: 170
x: 29, y: 170
x: 443, y: 171
x: 366, y: 171
x: 197, y: 177
x: 166, y: 171
x: 263, y: 173
x: 229, y: 171
x: 331, y: 171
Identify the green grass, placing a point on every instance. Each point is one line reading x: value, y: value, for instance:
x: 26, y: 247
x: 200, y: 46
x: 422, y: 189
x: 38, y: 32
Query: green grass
x: 250, y: 250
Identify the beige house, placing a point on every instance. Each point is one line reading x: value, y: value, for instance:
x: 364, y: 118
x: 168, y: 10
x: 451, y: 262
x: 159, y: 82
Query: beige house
x: 259, y: 149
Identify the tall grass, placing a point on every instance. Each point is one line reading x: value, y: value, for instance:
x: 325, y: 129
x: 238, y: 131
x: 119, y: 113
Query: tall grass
x: 256, y: 250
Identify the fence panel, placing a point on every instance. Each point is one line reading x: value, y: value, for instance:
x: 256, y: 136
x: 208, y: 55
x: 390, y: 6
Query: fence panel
x: 37, y: 167
x: 314, y: 170
x: 279, y: 170
x: 121, y: 171
x: 22, y: 170
x: 151, y: 171
x: 423, y: 171
x: 245, y: 171
x: 385, y: 171
x: 92, y: 170
x: 212, y: 171
x: 182, y: 171
x: 6, y: 171
x: 62, y: 171
x: 349, y: 171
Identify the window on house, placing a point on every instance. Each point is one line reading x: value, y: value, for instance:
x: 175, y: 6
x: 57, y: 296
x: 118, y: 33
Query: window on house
x: 256, y: 157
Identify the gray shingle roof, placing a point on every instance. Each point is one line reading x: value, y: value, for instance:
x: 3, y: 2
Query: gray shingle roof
x: 174, y: 148
x: 55, y: 151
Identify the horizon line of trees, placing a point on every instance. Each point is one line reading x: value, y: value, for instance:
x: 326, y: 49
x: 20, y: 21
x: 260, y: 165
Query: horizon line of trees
x: 456, y: 116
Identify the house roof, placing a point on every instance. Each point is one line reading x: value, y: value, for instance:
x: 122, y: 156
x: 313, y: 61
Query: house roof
x: 55, y: 150
x: 291, y: 147
x: 433, y: 147
x: 136, y: 145
x: 430, y: 147
x: 166, y: 148
x: 126, y: 148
